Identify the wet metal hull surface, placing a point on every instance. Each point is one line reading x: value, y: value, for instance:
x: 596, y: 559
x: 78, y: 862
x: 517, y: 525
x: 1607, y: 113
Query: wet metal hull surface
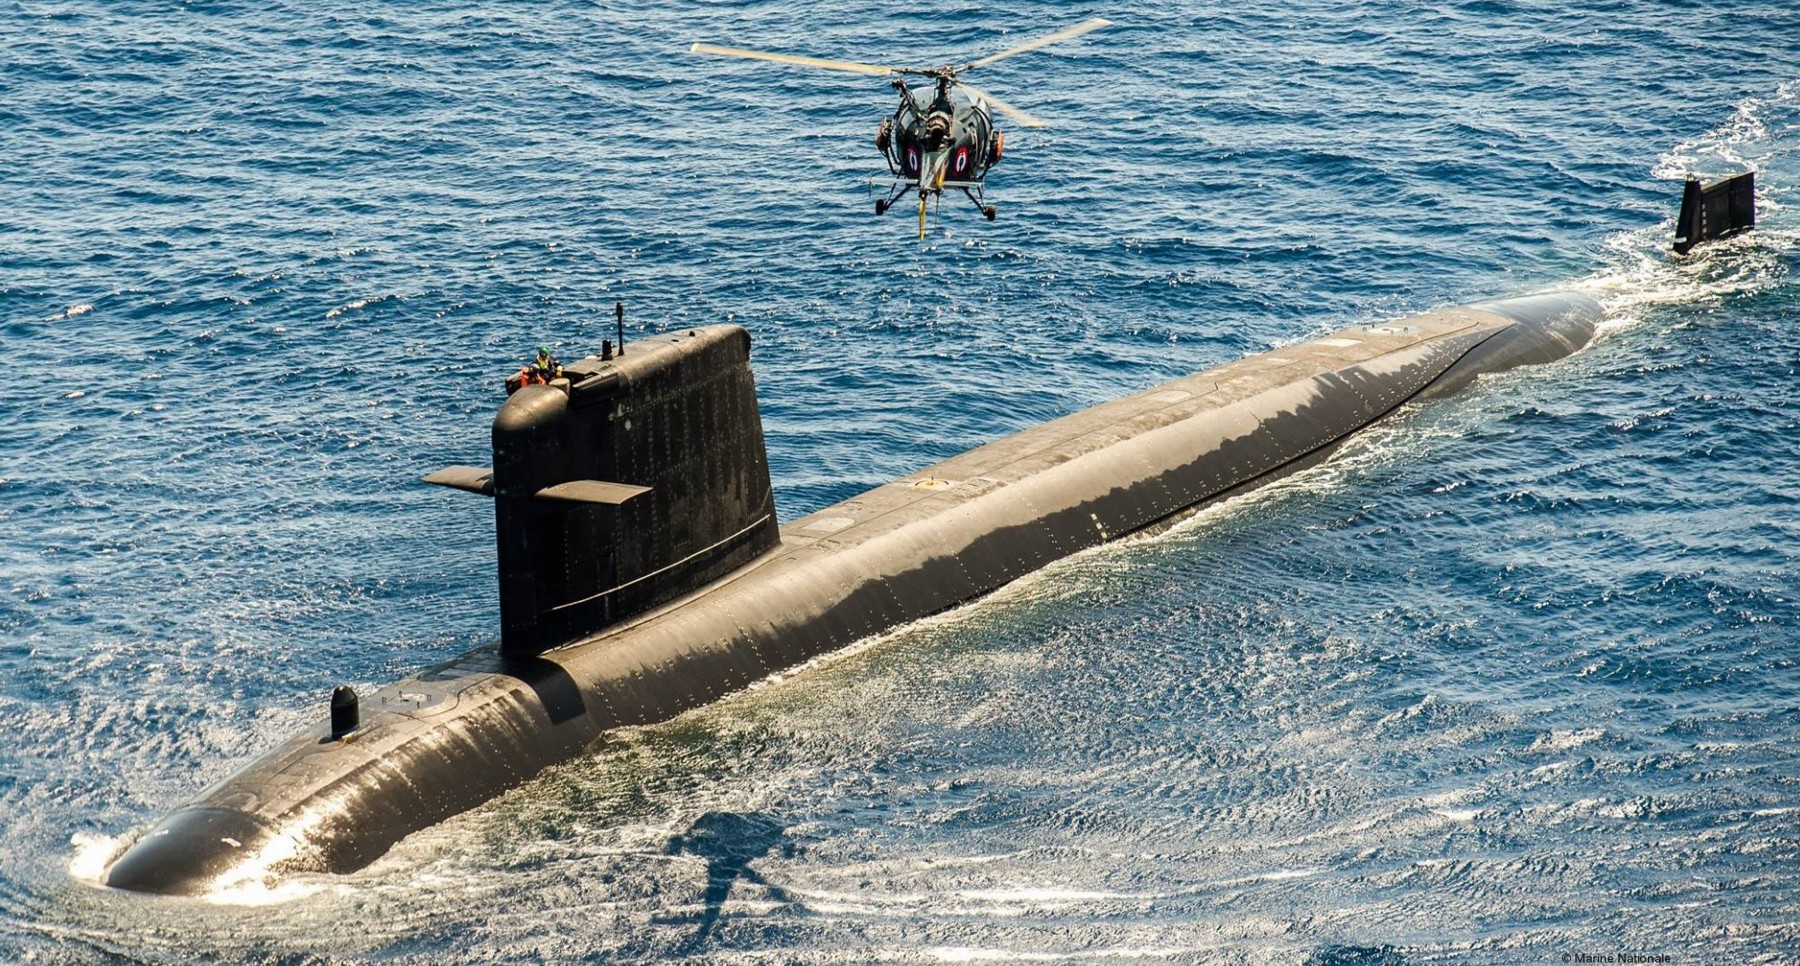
x: 466, y: 730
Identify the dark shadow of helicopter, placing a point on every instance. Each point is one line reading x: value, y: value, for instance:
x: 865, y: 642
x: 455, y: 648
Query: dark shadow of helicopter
x: 946, y: 141
x: 1356, y: 956
x: 728, y: 842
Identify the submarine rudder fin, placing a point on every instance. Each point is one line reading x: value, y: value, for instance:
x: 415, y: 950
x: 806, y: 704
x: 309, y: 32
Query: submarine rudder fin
x: 1718, y: 210
x: 641, y: 479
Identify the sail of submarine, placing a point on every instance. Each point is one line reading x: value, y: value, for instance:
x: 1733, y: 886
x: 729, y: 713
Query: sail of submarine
x: 643, y: 573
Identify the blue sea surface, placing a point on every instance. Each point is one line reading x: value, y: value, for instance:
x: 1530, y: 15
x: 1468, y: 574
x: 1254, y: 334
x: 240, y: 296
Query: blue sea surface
x: 1512, y: 680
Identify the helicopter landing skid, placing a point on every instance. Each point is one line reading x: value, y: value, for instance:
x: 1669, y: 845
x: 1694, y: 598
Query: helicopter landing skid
x: 987, y: 211
x: 883, y: 204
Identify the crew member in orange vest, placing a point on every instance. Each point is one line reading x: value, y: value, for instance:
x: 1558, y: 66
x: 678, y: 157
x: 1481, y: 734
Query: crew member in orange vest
x: 541, y: 370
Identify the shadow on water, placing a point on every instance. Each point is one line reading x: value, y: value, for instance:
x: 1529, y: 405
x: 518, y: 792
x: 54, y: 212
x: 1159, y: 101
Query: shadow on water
x: 1356, y: 956
x: 728, y: 842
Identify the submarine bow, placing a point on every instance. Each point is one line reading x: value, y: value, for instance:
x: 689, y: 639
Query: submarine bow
x: 642, y: 572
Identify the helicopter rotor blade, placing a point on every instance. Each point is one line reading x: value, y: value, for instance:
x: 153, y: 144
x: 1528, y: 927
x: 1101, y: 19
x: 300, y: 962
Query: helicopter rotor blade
x: 1065, y: 34
x: 820, y: 62
x: 1025, y: 119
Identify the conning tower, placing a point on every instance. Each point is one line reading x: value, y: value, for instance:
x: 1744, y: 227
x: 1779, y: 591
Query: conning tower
x: 636, y: 479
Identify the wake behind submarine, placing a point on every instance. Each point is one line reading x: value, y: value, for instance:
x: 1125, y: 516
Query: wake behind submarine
x: 643, y: 572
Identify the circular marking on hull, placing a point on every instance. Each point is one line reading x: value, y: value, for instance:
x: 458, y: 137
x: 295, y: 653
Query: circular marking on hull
x: 933, y: 484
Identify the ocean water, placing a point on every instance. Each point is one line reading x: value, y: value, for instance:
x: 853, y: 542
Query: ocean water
x: 1512, y: 680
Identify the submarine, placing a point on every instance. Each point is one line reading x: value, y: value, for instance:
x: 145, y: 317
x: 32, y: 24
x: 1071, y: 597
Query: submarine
x: 643, y: 572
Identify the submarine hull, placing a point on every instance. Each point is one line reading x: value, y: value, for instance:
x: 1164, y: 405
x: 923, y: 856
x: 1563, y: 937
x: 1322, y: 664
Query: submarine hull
x: 467, y: 730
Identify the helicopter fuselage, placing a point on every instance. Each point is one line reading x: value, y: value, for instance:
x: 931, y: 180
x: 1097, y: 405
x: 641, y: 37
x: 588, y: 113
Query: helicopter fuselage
x: 946, y: 141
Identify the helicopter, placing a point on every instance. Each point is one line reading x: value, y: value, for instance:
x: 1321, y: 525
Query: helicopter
x: 944, y: 139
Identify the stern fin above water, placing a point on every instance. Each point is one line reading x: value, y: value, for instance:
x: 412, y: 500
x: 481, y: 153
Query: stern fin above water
x: 1717, y: 210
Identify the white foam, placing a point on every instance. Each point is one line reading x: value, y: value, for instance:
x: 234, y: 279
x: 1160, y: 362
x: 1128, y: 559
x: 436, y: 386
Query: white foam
x: 1278, y: 875
x: 956, y: 860
x: 1043, y: 894
x: 354, y: 306
x: 970, y: 954
x: 1559, y: 740
x: 1645, y: 275
x: 262, y: 879
x: 262, y: 892
x: 72, y: 311
x: 1552, y: 770
x: 94, y: 854
x: 1741, y: 142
